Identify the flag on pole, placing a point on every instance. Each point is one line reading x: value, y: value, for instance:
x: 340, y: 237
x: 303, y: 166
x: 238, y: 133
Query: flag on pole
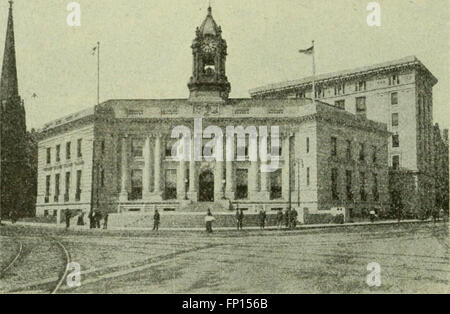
x: 308, y: 51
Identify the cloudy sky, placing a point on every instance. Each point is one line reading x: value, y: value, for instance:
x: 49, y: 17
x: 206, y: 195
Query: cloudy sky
x: 146, y: 46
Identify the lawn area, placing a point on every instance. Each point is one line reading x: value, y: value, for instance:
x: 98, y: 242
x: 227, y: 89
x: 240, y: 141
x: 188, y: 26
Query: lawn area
x: 413, y: 258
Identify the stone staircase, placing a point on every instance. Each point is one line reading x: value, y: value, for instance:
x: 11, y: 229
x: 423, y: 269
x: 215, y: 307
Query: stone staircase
x: 215, y: 207
x: 184, y: 220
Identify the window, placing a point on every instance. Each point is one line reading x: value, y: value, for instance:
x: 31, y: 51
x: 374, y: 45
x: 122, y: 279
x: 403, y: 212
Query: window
x: 360, y: 86
x: 241, y: 184
x: 320, y: 92
x: 375, y: 194
x: 360, y: 105
x: 58, y: 153
x: 394, y: 98
x: 137, y: 146
x: 67, y: 191
x: 395, y: 119
x: 362, y: 177
x: 349, y: 150
x: 49, y: 155
x: 103, y: 147
x: 307, y: 176
x: 348, y: 184
x: 374, y: 154
x: 47, y: 189
x: 170, y: 190
x: 339, y: 89
x: 394, y: 79
x: 275, y: 185
x: 362, y: 151
x: 57, y: 190
x: 168, y: 149
x: 395, y: 140
x: 79, y: 143
x: 340, y: 104
x: 102, y: 178
x: 396, y: 162
x: 136, y: 184
x: 307, y: 145
x: 333, y: 146
x: 68, y: 150
x: 334, y: 184
x: 78, y: 191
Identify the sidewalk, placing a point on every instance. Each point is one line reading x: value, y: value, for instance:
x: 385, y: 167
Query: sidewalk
x: 299, y: 227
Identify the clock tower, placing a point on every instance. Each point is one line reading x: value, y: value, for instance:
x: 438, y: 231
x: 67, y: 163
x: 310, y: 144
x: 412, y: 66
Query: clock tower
x: 208, y: 82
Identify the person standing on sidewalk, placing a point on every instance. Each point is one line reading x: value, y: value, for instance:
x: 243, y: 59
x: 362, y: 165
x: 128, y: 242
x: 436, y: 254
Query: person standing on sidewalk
x: 68, y: 216
x: 262, y: 219
x: 156, y: 219
x: 280, y: 219
x: 208, y: 221
x: 287, y: 217
x: 105, y: 220
x: 239, y: 219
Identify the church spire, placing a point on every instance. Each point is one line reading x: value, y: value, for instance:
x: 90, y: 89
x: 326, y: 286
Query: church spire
x: 8, y: 83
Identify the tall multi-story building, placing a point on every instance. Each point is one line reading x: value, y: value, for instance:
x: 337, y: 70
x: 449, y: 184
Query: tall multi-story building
x: 118, y: 157
x: 441, y: 170
x: 398, y: 93
x: 13, y: 130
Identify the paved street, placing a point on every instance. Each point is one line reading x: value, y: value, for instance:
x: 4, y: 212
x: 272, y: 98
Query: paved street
x: 413, y: 258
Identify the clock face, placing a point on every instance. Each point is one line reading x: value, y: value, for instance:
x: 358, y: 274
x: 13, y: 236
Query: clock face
x: 209, y: 46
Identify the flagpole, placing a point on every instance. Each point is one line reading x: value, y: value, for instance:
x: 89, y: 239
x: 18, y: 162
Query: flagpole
x: 98, y: 73
x: 314, y: 74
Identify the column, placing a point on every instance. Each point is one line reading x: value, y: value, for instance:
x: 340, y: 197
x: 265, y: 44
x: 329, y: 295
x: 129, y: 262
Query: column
x: 125, y: 174
x: 146, y: 175
x: 218, y: 177
x: 158, y: 168
x: 181, y: 178
x: 253, y: 171
x: 264, y: 177
x: 286, y: 170
x: 193, y: 191
x: 229, y: 185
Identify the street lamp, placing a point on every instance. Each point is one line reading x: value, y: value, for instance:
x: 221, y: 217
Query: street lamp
x: 297, y: 163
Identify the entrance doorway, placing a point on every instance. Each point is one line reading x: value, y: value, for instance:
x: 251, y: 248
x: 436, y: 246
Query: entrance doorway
x: 206, y: 186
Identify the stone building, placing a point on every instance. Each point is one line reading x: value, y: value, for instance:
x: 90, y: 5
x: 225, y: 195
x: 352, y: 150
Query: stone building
x: 13, y: 130
x: 441, y: 159
x: 398, y: 93
x: 119, y: 156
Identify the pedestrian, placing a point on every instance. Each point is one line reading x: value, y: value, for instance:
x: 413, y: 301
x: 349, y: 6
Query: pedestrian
x: 98, y: 218
x: 262, y: 219
x: 287, y: 217
x: 68, y: 216
x: 209, y: 220
x: 435, y: 215
x: 280, y: 219
x: 105, y: 220
x: 80, y: 221
x: 372, y: 216
x: 156, y: 219
x: 294, y: 215
x: 91, y: 220
x: 239, y: 219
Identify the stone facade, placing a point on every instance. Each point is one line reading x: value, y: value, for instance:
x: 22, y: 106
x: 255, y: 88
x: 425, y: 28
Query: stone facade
x: 130, y: 166
x: 398, y: 93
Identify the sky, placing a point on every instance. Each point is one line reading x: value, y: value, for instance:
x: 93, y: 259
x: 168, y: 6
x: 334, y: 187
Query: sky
x: 145, y: 46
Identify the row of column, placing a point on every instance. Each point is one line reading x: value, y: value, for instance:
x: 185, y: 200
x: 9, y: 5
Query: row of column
x: 224, y: 186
